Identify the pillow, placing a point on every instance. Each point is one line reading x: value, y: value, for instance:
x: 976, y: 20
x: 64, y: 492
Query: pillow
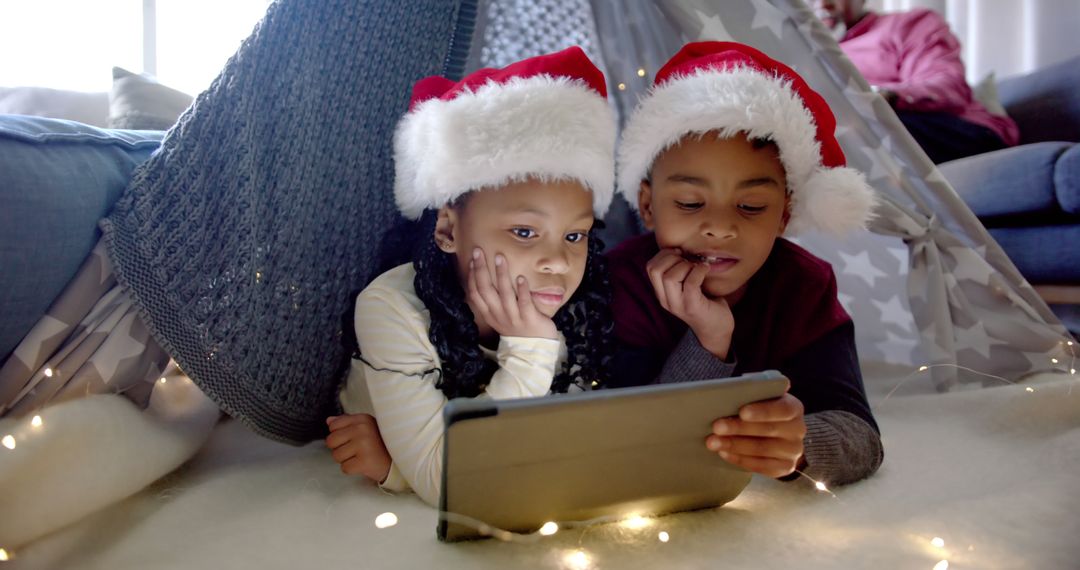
x: 87, y: 108
x: 985, y: 92
x: 140, y: 102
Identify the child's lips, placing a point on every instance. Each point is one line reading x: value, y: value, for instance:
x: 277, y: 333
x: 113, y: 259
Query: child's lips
x: 549, y: 296
x: 719, y: 262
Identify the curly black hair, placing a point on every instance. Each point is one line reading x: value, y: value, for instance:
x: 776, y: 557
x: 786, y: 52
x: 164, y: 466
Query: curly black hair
x: 585, y: 321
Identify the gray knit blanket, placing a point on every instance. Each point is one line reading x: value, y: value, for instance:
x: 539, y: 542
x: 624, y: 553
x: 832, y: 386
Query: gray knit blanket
x: 241, y: 240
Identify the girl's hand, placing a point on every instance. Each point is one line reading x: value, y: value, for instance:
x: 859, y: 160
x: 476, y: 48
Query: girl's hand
x: 677, y: 283
x: 506, y: 307
x: 766, y: 437
x: 358, y: 446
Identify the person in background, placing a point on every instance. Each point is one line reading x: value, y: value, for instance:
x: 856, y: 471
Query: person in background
x: 913, y: 60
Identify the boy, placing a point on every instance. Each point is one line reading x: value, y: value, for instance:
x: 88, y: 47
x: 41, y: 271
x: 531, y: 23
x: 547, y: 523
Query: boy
x: 728, y: 151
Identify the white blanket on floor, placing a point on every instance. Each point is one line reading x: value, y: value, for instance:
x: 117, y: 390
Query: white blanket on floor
x: 992, y: 472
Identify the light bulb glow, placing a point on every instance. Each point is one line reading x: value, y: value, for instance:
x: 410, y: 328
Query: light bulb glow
x: 942, y: 565
x: 8, y: 441
x: 820, y: 486
x: 36, y: 421
x: 641, y: 72
x: 622, y: 87
x: 162, y: 380
x: 4, y: 556
x: 386, y: 520
x: 923, y: 369
x: 549, y: 528
x: 938, y: 542
x: 1054, y: 360
x: 576, y: 560
x: 664, y: 536
x: 636, y: 522
x: 1030, y: 389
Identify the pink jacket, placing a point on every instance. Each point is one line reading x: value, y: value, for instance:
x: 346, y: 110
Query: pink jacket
x: 915, y: 55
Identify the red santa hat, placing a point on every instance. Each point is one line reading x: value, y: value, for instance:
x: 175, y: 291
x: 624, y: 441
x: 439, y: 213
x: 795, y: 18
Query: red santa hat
x: 731, y: 88
x: 545, y: 117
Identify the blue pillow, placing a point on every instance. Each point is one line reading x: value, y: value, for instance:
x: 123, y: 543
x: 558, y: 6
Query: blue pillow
x: 57, y: 179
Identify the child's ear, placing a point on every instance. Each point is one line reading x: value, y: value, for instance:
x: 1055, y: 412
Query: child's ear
x: 644, y: 201
x: 446, y: 229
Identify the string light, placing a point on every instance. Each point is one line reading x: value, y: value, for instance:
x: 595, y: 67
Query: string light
x: 622, y: 87
x: 577, y: 559
x: 549, y: 528
x: 386, y: 520
x: 636, y: 522
x: 1030, y: 389
x: 923, y: 368
x: 48, y: 373
x: 942, y: 565
x: 938, y: 542
x: 8, y: 441
x: 640, y: 72
x: 36, y: 421
x: 1054, y: 360
x: 162, y: 379
x: 4, y: 556
x: 820, y: 486
x: 664, y: 536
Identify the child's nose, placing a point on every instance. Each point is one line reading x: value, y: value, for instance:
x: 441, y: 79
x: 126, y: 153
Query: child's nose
x: 554, y: 260
x: 718, y: 225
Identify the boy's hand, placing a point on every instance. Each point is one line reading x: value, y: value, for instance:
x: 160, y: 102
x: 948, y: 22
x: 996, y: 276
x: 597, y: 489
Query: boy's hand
x: 506, y: 307
x: 677, y: 283
x: 766, y: 437
x: 358, y: 447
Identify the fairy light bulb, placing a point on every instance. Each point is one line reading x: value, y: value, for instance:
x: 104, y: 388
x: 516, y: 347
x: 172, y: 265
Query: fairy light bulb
x: 48, y: 373
x: 1030, y: 389
x: 821, y: 486
x: 1054, y: 360
x: 938, y: 542
x: 923, y: 368
x: 8, y: 441
x: 664, y: 537
x: 636, y: 522
x: 622, y: 87
x: 386, y: 520
x: 36, y: 421
x: 577, y: 560
x: 549, y: 528
x: 942, y: 565
x: 640, y: 72
x: 4, y: 556
x: 162, y: 380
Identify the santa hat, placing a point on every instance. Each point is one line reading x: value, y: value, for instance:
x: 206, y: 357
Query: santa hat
x: 545, y: 117
x: 732, y: 88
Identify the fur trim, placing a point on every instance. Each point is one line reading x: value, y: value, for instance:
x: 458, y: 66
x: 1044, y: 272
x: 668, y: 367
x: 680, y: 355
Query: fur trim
x: 832, y: 200
x: 735, y: 100
x: 549, y: 127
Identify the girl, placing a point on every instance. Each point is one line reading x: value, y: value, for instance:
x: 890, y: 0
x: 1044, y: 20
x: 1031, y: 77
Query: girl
x: 506, y: 296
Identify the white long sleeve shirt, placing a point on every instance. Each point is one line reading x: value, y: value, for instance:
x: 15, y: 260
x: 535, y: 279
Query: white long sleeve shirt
x: 397, y: 383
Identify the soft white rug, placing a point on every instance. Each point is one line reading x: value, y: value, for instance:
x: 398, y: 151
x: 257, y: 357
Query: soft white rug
x: 992, y: 472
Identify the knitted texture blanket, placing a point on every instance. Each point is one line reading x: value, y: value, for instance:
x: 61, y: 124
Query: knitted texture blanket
x: 241, y: 240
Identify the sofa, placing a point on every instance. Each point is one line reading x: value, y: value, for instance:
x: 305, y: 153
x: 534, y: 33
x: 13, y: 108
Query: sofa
x: 1028, y: 196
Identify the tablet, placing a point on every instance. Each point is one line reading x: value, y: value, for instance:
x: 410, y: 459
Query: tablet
x: 516, y: 464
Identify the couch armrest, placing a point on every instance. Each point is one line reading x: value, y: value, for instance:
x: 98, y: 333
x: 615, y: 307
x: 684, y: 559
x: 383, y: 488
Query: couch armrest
x: 1044, y: 103
x: 1013, y: 182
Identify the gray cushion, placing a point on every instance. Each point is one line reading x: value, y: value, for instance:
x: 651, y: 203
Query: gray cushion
x: 57, y: 179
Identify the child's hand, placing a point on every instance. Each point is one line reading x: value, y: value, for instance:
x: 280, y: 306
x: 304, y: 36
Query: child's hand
x: 677, y: 283
x: 505, y: 307
x: 766, y: 437
x: 358, y: 446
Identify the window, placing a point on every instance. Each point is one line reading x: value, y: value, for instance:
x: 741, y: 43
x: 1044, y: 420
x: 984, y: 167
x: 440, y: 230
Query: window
x: 74, y: 44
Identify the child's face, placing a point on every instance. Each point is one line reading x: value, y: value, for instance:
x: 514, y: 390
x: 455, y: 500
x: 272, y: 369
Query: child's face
x: 718, y: 200
x: 541, y: 228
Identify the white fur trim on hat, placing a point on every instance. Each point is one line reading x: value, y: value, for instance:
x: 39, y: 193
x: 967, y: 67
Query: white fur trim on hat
x: 552, y: 128
x: 745, y: 100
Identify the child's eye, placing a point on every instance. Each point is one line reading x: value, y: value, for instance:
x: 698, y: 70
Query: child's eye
x: 752, y: 209
x: 688, y: 205
x: 577, y: 237
x: 523, y: 233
